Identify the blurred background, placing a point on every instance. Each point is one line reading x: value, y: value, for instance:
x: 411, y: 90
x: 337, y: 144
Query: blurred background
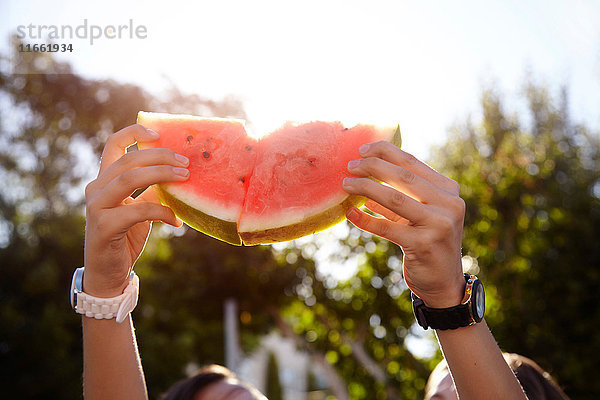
x: 503, y: 97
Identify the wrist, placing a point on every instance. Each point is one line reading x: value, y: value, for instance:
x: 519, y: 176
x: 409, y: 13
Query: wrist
x: 99, y: 286
x: 450, y: 296
x: 469, y: 311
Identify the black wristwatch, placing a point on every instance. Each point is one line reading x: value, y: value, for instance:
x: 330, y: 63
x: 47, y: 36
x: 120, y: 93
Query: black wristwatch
x: 469, y: 312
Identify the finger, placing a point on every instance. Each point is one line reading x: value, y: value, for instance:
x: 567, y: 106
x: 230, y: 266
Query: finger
x: 149, y: 195
x: 125, y: 184
x: 391, y: 153
x: 397, y: 233
x: 400, y: 178
x: 397, y: 202
x: 117, y: 143
x: 122, y: 218
x: 381, y: 210
x: 141, y: 158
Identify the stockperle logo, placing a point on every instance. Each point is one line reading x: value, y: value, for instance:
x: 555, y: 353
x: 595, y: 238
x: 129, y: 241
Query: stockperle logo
x: 83, y: 31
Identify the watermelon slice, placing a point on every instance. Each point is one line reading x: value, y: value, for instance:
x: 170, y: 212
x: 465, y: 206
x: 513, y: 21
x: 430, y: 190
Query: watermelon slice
x: 243, y: 190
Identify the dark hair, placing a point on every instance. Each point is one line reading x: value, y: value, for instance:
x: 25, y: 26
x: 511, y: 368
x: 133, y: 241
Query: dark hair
x: 187, y: 388
x: 536, y: 383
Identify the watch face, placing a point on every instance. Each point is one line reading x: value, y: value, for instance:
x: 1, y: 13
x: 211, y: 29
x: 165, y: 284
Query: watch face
x: 76, y: 286
x: 479, y: 306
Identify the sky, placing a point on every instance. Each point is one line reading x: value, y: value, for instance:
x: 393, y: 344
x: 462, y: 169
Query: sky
x: 420, y: 64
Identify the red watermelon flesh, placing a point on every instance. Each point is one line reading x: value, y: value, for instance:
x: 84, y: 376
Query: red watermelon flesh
x: 284, y: 186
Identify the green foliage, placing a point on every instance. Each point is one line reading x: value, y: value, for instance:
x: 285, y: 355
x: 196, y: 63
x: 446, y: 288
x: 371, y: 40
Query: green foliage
x: 186, y: 280
x: 361, y: 324
x: 40, y: 341
x: 274, y: 389
x: 532, y: 224
x: 45, y: 121
x: 52, y: 128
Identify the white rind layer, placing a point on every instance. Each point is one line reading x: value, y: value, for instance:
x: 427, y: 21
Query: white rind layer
x: 209, y: 207
x: 288, y: 216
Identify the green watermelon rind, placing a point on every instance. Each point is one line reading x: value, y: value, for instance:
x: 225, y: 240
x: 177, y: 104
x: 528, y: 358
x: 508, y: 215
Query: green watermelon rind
x: 316, y: 223
x: 199, y: 220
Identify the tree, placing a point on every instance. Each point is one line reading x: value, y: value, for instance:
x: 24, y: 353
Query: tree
x: 359, y: 325
x: 532, y: 225
x: 532, y: 229
x: 186, y: 280
x: 53, y: 124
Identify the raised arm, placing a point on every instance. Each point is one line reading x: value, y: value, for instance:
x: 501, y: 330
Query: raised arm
x: 117, y: 227
x: 424, y: 214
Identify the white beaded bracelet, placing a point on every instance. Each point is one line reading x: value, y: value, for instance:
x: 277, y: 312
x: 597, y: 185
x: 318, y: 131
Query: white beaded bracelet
x: 104, y: 308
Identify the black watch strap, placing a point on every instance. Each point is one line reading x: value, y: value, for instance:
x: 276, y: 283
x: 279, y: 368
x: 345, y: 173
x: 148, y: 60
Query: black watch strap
x: 442, y: 318
x: 447, y: 318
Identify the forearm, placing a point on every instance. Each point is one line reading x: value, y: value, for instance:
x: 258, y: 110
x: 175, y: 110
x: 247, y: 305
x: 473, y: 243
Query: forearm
x: 478, y: 369
x: 111, y: 363
x: 116, y: 230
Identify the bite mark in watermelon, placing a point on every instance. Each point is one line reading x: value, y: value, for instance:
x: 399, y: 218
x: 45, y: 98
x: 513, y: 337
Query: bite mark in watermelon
x: 243, y: 190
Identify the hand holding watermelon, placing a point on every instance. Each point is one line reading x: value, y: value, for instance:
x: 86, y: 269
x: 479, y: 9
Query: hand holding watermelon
x: 117, y: 225
x: 423, y: 214
x: 423, y: 211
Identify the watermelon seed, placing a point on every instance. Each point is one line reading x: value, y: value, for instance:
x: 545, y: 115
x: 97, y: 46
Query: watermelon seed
x: 248, y: 147
x: 206, y: 154
x: 189, y: 139
x: 242, y: 179
x: 345, y: 129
